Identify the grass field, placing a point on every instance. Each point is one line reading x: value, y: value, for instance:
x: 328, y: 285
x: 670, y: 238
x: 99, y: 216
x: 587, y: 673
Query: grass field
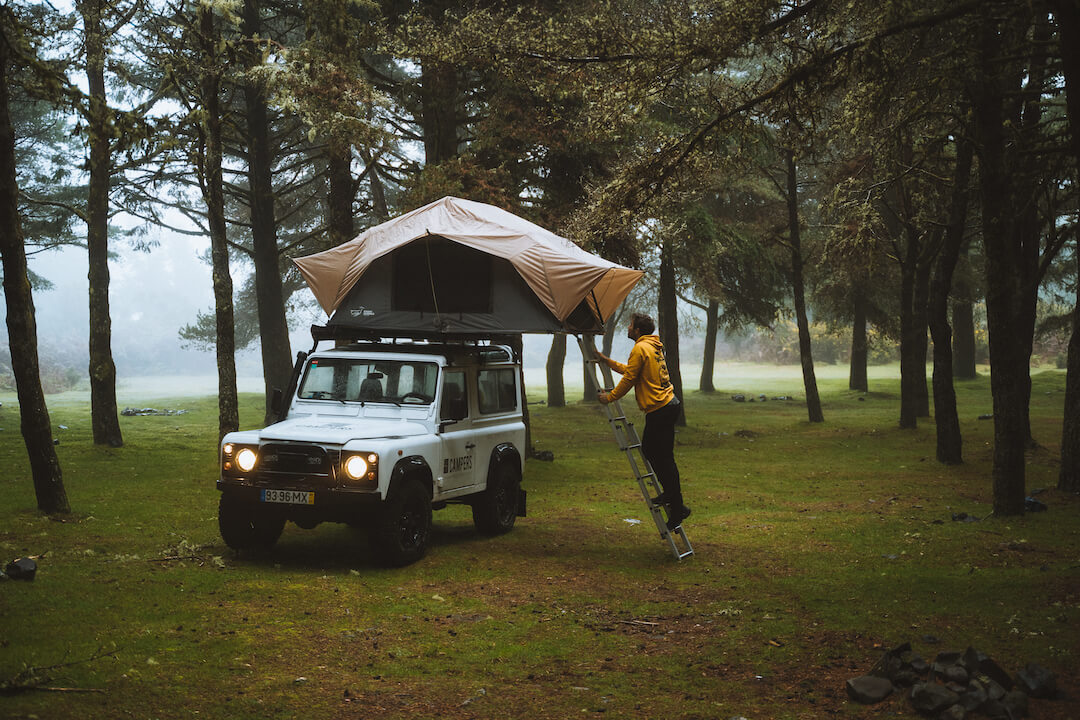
x: 817, y: 547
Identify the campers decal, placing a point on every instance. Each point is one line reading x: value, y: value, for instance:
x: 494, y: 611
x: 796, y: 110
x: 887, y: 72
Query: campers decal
x: 458, y: 464
x: 362, y: 312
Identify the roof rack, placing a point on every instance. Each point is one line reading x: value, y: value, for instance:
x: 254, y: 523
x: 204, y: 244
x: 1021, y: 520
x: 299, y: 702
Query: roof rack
x: 497, y: 349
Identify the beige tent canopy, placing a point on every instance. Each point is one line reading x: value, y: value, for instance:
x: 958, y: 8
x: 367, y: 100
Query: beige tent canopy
x: 459, y: 278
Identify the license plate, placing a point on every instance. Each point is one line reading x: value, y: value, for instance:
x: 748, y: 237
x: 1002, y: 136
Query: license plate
x: 289, y: 497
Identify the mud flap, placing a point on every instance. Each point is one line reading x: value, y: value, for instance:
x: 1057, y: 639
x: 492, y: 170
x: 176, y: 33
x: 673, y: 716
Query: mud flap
x: 521, y: 503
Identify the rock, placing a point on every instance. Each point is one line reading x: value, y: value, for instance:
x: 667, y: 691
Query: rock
x: 971, y: 660
x: 21, y: 569
x: 544, y: 456
x: 986, y: 417
x: 1037, y: 681
x: 1033, y: 505
x: 906, y: 678
x: 994, y: 691
x: 974, y: 697
x: 919, y: 665
x: 995, y: 710
x: 931, y: 698
x: 956, y: 674
x: 869, y: 689
x: 1016, y: 702
x: 953, y: 712
x: 738, y: 398
x: 947, y: 657
x: 996, y: 673
x: 964, y: 517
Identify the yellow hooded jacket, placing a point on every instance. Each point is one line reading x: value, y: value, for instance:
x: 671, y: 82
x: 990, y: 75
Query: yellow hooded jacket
x: 646, y: 371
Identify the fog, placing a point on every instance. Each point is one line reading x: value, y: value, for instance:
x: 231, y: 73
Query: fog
x: 152, y: 295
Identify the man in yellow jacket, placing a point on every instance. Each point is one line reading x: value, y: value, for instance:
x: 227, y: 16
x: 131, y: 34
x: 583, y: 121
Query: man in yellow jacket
x: 646, y: 371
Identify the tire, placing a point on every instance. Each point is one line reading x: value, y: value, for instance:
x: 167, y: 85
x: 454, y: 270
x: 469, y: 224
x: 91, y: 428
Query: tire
x: 495, y: 510
x: 403, y: 525
x: 244, y: 526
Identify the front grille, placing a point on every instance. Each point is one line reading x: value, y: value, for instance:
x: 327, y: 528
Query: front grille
x: 297, y: 460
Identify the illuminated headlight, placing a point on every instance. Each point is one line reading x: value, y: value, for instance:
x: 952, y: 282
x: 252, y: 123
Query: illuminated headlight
x: 245, y: 459
x: 361, y: 467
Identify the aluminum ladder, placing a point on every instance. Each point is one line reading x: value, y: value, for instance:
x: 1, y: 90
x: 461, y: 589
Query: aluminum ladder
x: 629, y: 442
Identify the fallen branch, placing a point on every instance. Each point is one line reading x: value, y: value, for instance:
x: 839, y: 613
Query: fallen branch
x: 31, y: 678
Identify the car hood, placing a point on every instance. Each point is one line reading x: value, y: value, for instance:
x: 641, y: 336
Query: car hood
x: 336, y: 430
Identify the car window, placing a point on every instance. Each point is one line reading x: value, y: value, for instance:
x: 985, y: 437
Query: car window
x: 369, y: 380
x: 497, y: 390
x: 455, y: 403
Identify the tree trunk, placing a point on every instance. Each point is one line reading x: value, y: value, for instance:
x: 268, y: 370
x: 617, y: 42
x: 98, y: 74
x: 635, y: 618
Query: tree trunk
x: 668, y: 321
x: 273, y: 329
x: 440, y: 95
x: 609, y: 333
x: 1067, y: 15
x: 798, y: 289
x: 104, y: 416
x: 378, y: 195
x: 921, y: 338
x: 910, y: 362
x: 21, y: 324
x: 213, y: 194
x: 556, y: 360
x: 341, y: 193
x: 1028, y: 221
x: 1069, y: 475
x: 708, y: 362
x: 949, y: 440
x: 963, y: 325
x: 1006, y: 275
x: 857, y: 379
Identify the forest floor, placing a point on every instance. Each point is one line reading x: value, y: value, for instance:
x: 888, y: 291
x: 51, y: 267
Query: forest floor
x: 817, y: 548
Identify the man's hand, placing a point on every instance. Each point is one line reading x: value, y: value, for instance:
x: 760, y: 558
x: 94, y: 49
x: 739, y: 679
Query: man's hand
x: 602, y: 397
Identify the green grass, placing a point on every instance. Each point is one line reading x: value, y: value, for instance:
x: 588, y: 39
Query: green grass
x: 816, y: 547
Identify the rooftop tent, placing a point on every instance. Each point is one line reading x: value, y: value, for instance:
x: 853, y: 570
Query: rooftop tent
x: 463, y: 268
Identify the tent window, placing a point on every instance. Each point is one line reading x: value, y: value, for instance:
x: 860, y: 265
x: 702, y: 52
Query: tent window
x: 460, y: 276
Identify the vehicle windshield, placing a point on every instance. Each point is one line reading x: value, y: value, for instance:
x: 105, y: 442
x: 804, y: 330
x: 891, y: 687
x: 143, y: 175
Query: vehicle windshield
x: 369, y: 380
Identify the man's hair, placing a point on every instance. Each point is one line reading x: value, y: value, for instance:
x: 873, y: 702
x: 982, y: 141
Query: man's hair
x: 642, y: 323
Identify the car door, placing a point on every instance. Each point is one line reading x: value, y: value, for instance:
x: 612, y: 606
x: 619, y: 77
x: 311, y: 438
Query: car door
x: 457, y: 466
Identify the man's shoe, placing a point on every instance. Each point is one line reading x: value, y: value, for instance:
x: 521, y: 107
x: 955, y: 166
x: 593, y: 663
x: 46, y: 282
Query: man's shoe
x: 676, y: 517
x: 661, y: 499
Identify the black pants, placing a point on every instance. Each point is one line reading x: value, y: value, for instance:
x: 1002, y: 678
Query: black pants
x: 658, y: 447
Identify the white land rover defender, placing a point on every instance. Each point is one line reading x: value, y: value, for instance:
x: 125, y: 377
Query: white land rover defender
x: 377, y: 436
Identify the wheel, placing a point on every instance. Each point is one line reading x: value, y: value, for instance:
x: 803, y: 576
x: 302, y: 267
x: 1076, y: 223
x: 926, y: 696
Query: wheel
x: 245, y: 526
x: 403, y: 526
x: 495, y: 510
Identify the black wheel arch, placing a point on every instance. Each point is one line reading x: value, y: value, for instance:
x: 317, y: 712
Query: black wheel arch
x: 505, y: 453
x: 413, y: 466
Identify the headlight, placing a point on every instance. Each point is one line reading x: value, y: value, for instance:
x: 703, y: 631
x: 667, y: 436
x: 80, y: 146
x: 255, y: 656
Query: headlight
x: 356, y: 467
x: 245, y: 459
x: 361, y: 467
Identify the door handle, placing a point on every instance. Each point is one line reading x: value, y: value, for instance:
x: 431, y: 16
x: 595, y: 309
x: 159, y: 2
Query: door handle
x: 470, y: 446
